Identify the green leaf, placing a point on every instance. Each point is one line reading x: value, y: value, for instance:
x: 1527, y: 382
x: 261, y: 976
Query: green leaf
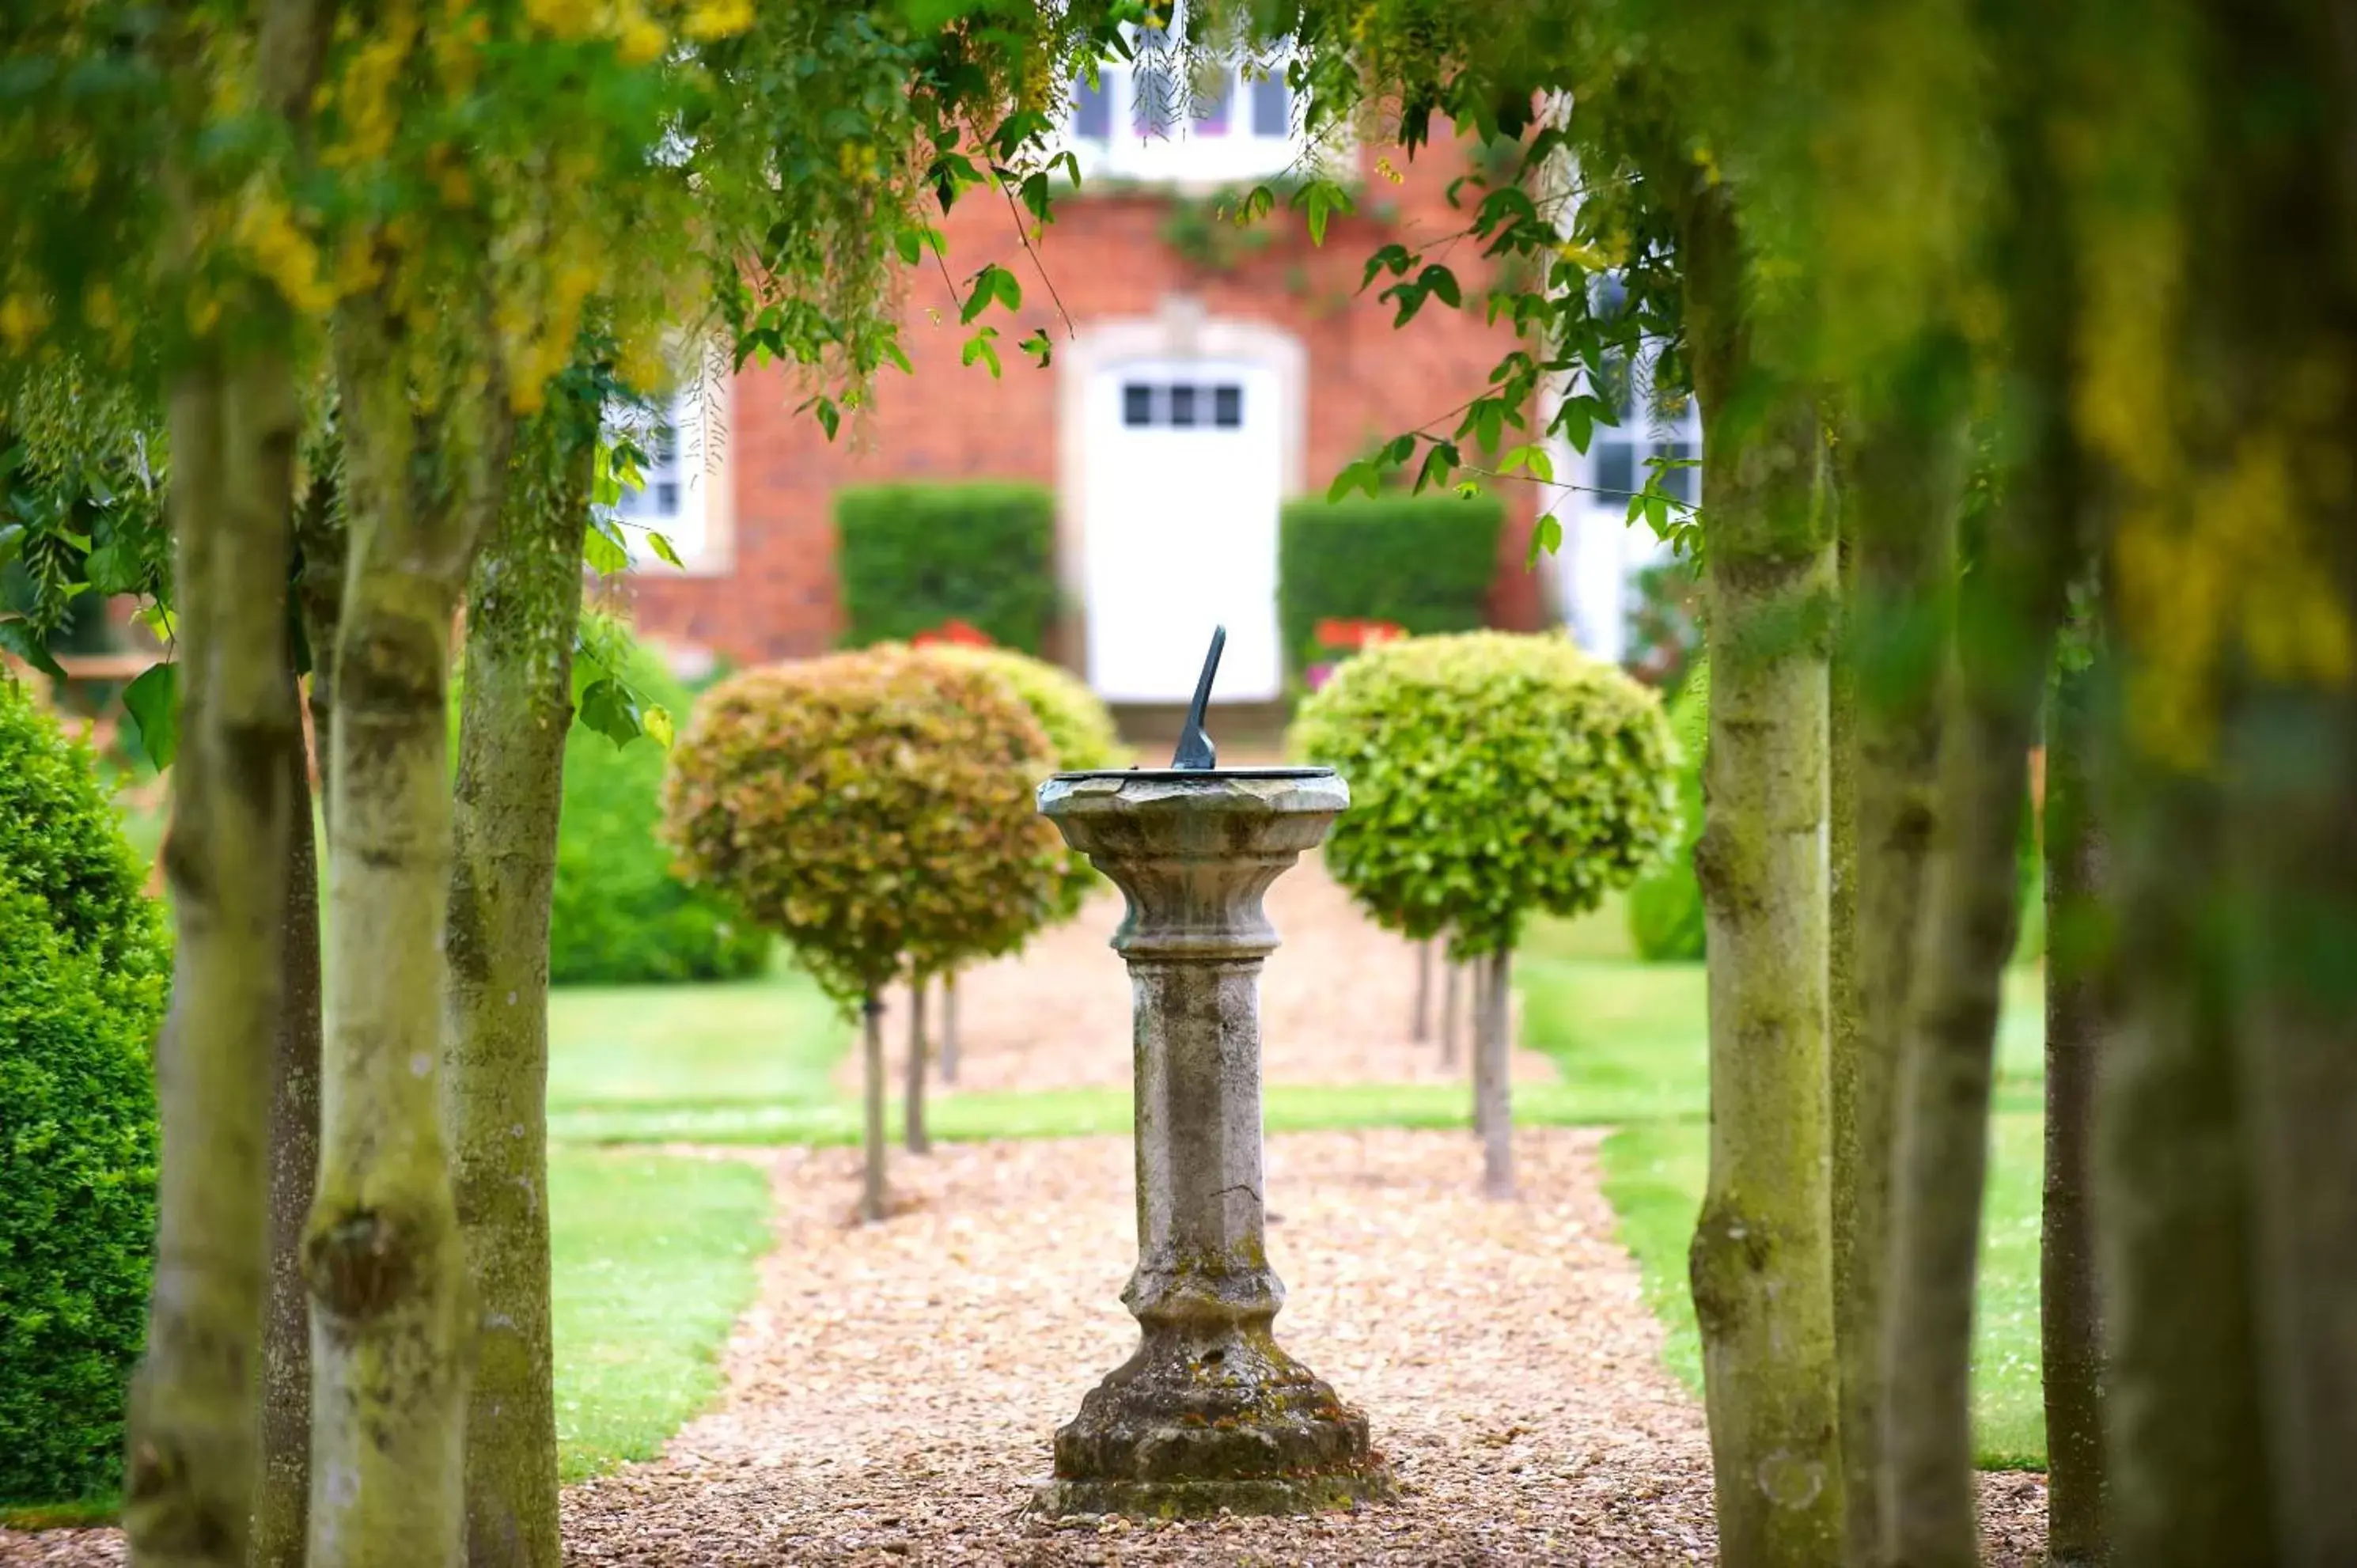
x: 661, y: 546
x: 603, y: 549
x: 1354, y: 476
x: 1038, y: 346
x: 1319, y: 200
x: 979, y: 347
x: 607, y: 707
x: 993, y: 282
x: 656, y: 721
x: 1546, y: 538
x: 830, y: 415
x: 154, y: 701
x: 18, y: 637
x: 1010, y: 292
x: 1439, y: 280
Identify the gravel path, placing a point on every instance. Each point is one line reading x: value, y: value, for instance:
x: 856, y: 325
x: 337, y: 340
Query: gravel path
x: 891, y: 1395
x: 1338, y: 1000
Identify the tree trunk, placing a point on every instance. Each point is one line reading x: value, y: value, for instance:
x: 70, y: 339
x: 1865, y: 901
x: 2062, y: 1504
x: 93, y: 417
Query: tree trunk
x: 1477, y: 1010
x: 189, y: 1489
x: 282, y: 1502
x: 912, y: 1118
x: 1449, y: 970
x: 2078, y: 1021
x: 948, y: 1029
x: 2184, y: 1429
x: 1494, y: 1050
x: 391, y: 1305
x: 523, y: 606
x: 1761, y: 1259
x: 871, y: 1190
x: 1900, y: 492
x: 2010, y: 602
x: 1421, y: 1025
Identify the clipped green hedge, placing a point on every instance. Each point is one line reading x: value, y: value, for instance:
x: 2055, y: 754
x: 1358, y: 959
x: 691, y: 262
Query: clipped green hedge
x: 1665, y: 921
x: 84, y: 969
x: 912, y: 558
x: 620, y: 916
x: 1423, y: 563
x: 1493, y: 777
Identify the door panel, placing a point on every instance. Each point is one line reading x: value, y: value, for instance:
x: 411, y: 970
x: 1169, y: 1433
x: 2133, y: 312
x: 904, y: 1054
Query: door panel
x: 1182, y: 481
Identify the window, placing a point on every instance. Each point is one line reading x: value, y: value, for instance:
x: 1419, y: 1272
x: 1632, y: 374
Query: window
x: 681, y: 477
x: 1622, y: 458
x: 1183, y: 405
x: 1144, y: 120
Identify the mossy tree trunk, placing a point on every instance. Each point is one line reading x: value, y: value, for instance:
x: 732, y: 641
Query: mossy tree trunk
x: 1761, y: 1257
x: 2185, y: 1434
x: 282, y: 1500
x: 872, y: 1187
x: 2077, y: 1025
x: 912, y: 1107
x: 2020, y: 559
x: 189, y: 1489
x: 523, y: 606
x: 391, y: 1309
x: 282, y: 1507
x: 1901, y: 485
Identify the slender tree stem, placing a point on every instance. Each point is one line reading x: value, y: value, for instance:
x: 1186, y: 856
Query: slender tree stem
x: 949, y: 1027
x: 2078, y: 1021
x: 1449, y: 971
x: 872, y: 1191
x: 282, y: 1503
x: 1496, y: 1048
x: 1421, y: 1023
x: 912, y: 1115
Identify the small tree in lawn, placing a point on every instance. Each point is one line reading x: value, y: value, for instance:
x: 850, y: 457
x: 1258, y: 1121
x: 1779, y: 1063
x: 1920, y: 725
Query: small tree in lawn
x: 875, y: 809
x: 1080, y: 737
x: 1493, y: 777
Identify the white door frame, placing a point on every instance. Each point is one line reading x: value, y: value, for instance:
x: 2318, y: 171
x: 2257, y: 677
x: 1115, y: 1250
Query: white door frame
x: 1179, y: 333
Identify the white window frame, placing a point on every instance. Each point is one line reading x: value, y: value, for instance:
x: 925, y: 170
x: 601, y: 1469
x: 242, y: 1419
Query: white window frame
x: 698, y: 525
x: 1161, y: 141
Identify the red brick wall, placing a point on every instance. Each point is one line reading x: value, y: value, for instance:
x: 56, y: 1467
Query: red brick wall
x: 1107, y: 258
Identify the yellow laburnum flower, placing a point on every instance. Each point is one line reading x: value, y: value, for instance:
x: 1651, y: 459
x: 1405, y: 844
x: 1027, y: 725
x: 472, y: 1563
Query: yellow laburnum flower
x: 22, y: 317
x: 642, y: 364
x: 640, y: 41
x: 564, y: 19
x: 265, y: 230
x: 710, y: 19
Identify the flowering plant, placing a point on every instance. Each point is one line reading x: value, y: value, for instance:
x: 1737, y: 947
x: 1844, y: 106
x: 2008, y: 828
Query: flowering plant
x: 954, y: 632
x: 1339, y: 638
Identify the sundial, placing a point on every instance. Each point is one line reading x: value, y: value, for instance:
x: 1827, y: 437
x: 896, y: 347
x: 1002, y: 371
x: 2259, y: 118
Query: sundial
x: 1196, y: 752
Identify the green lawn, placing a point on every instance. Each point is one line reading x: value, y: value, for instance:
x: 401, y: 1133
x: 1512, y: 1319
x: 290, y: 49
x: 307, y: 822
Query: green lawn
x: 655, y: 1256
x: 1629, y: 1038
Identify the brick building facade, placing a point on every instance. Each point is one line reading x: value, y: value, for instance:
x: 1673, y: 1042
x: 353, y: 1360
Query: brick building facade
x: 1267, y: 313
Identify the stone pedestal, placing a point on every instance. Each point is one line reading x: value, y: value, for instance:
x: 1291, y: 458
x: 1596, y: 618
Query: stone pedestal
x: 1209, y: 1413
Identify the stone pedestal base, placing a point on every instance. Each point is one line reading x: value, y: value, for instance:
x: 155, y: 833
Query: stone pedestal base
x: 1209, y: 1413
x: 1185, y: 1429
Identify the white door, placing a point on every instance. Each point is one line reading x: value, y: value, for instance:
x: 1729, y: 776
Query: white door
x: 1181, y: 478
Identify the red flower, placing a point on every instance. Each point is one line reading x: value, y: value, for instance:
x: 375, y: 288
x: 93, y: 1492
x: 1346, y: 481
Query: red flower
x: 951, y: 631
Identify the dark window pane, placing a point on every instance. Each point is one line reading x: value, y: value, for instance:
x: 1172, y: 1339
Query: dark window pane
x: 1091, y: 112
x: 1272, y: 108
x: 1616, y: 469
x: 1227, y: 406
x: 1136, y: 403
x: 1678, y: 482
x: 1182, y: 405
x: 1212, y: 104
x: 667, y: 499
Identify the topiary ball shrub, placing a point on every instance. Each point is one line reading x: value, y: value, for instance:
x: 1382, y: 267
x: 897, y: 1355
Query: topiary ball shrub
x: 875, y: 809
x: 1080, y: 730
x: 1666, y: 922
x: 1493, y: 776
x: 622, y: 916
x: 84, y: 968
